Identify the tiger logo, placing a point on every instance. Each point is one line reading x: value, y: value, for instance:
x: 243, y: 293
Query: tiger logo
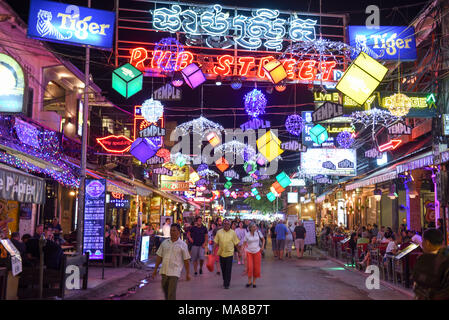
x: 46, y: 29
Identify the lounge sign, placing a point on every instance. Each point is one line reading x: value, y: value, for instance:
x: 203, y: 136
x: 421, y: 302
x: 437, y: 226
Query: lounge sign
x: 21, y: 188
x: 66, y: 23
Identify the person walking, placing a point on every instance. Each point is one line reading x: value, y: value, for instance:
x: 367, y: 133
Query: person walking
x: 253, y: 250
x: 281, y: 232
x: 431, y: 271
x: 273, y: 239
x: 226, y: 240
x: 173, y: 254
x: 198, y: 237
x: 240, y: 232
x: 289, y: 241
x: 299, y: 236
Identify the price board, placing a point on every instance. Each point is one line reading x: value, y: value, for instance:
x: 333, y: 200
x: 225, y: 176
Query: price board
x: 309, y: 225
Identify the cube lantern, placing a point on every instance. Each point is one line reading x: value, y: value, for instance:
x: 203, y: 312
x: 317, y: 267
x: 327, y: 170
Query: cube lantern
x: 180, y: 161
x: 213, y: 139
x: 228, y: 185
x: 318, y: 134
x: 254, y: 191
x: 283, y: 179
x: 249, y: 167
x: 261, y: 160
x: 143, y: 149
x: 255, y: 174
x: 127, y: 80
x: 258, y: 197
x: 222, y: 164
x: 277, y: 186
x: 269, y: 146
x: 271, y: 196
x: 361, y: 78
x: 275, y: 71
x: 193, y: 75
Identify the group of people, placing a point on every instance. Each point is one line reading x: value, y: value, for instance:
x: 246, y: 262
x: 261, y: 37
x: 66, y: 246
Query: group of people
x: 224, y: 241
x: 283, y: 237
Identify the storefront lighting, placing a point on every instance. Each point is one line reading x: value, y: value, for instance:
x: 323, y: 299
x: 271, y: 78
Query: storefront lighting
x: 72, y: 193
x: 393, y: 194
x: 377, y: 194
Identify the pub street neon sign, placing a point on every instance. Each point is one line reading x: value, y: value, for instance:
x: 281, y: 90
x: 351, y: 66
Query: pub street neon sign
x: 247, y: 66
x: 264, y: 28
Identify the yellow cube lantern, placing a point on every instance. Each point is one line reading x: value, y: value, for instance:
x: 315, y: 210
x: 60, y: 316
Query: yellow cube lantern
x: 269, y: 146
x: 275, y: 70
x: 213, y: 139
x: 362, y: 78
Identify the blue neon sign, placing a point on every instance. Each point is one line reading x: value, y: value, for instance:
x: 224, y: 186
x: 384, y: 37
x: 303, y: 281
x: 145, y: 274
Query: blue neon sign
x: 66, y: 23
x: 385, y: 43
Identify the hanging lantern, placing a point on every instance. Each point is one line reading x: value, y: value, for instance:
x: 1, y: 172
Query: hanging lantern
x: 213, y: 138
x: 164, y: 153
x: 275, y: 71
x: 177, y: 80
x: 318, y: 134
x: 127, y: 80
x: 193, y: 75
x: 143, y: 149
x: 255, y: 103
x: 180, y: 161
x: 294, y: 124
x: 283, y: 179
x: 228, y: 185
x: 222, y: 164
x: 398, y: 104
x: 345, y: 139
x: 270, y: 196
x: 236, y: 83
x: 280, y: 87
x: 277, y: 186
x: 152, y: 110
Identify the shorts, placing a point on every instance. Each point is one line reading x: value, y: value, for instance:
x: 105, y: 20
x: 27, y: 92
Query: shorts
x: 197, y: 253
x: 299, y: 244
x: 280, y: 244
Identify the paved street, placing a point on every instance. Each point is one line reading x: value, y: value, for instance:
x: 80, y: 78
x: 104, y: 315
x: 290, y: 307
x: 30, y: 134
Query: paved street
x: 292, y: 279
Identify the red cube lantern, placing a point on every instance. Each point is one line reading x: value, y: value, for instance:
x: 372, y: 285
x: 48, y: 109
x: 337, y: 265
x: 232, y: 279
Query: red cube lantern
x: 279, y: 189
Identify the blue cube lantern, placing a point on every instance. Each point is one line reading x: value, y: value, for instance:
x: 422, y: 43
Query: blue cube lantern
x: 143, y: 149
x: 271, y: 196
x: 127, y: 80
x: 283, y: 179
x: 318, y: 134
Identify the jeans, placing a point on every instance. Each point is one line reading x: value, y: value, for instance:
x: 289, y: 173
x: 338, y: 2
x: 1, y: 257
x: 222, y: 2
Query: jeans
x: 226, y: 269
x: 169, y: 285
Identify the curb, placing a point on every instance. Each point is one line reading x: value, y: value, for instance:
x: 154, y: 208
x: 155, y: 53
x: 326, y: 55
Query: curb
x: 383, y: 282
x: 79, y: 295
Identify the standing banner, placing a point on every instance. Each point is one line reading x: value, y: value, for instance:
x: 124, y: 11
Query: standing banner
x: 94, y: 218
x: 71, y: 24
x: 309, y: 225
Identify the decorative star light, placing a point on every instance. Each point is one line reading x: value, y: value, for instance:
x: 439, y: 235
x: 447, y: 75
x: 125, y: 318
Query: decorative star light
x: 374, y: 117
x: 200, y: 126
x: 238, y: 147
x: 152, y: 110
x: 294, y: 124
x: 255, y: 103
x: 345, y: 139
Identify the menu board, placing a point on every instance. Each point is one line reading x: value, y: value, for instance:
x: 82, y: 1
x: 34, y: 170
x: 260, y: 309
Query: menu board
x: 94, y: 216
x: 16, y: 259
x: 145, y: 248
x: 309, y: 225
x: 406, y: 251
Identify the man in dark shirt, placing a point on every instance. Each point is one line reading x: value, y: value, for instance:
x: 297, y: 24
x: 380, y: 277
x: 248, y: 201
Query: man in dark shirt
x: 273, y: 239
x: 431, y: 271
x: 198, y: 237
x: 299, y: 235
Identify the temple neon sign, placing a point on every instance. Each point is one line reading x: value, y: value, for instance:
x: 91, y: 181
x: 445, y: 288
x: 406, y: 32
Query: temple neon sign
x: 304, y: 70
x: 264, y: 28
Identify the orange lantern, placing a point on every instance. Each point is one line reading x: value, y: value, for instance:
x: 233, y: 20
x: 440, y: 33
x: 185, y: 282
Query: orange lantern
x: 222, y: 164
x: 279, y: 189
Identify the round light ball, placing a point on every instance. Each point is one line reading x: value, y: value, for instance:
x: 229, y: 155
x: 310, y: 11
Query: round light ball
x: 255, y: 103
x: 152, y: 110
x: 294, y: 124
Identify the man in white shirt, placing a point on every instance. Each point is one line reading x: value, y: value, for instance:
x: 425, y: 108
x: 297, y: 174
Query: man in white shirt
x: 417, y: 239
x: 173, y: 254
x: 166, y: 228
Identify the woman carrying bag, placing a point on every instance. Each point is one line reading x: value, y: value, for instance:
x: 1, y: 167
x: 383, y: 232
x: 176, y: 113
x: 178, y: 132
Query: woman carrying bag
x: 253, y: 253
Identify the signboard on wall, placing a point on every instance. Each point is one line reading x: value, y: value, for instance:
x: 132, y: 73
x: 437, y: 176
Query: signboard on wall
x: 94, y: 218
x: 333, y: 162
x: 13, y: 86
x: 21, y: 188
x: 384, y: 43
x: 71, y: 24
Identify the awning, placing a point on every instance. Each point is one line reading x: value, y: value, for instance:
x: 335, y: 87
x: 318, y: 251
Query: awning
x: 382, y: 175
x: 113, y: 185
x: 416, y: 162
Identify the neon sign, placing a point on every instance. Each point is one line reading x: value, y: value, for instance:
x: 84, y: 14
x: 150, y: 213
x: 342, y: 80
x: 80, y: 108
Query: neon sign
x: 140, y: 124
x: 393, y: 144
x: 249, y: 67
x: 115, y: 144
x: 265, y: 27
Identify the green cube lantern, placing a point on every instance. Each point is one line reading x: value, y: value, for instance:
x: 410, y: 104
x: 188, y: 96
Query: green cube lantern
x: 318, y: 134
x: 258, y: 197
x: 271, y: 196
x: 180, y: 161
x: 283, y: 179
x: 228, y: 185
x: 127, y: 80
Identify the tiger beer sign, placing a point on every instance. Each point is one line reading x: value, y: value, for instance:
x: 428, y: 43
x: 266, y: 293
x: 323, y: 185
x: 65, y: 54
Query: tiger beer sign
x: 71, y: 24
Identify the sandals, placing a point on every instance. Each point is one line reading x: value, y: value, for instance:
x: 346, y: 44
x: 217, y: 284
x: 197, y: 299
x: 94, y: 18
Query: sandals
x: 248, y: 285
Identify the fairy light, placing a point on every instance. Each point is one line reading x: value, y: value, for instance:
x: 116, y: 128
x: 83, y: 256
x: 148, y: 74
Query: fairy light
x: 255, y: 103
x: 345, y: 139
x: 200, y: 126
x: 294, y: 124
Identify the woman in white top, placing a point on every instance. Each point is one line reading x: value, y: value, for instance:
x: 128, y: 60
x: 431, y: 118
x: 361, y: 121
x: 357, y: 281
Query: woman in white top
x: 253, y: 253
x: 240, y: 232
